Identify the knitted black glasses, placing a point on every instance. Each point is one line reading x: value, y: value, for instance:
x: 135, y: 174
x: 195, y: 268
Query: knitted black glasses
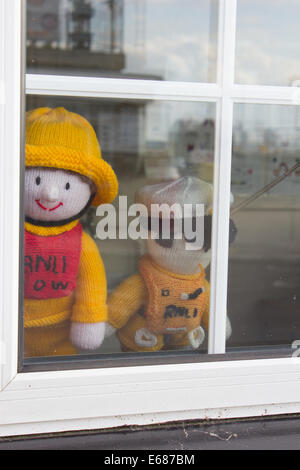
x: 156, y: 225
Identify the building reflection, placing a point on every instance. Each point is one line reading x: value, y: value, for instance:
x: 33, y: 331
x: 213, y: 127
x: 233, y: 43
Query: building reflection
x: 75, y: 36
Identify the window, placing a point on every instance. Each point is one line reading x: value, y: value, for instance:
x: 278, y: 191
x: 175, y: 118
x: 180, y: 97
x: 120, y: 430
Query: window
x: 151, y: 121
x: 123, y: 39
x: 263, y: 261
x: 148, y: 141
x: 266, y: 52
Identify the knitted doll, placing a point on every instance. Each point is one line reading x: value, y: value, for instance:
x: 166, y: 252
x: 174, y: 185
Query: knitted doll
x: 65, y: 283
x: 166, y: 304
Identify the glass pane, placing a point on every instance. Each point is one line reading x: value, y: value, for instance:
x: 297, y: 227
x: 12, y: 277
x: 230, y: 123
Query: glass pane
x: 145, y: 39
x: 160, y: 152
x: 267, y: 47
x: 264, y: 260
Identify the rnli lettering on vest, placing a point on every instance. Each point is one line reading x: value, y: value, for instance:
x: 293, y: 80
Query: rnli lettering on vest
x: 56, y: 264
x: 173, y: 311
x: 51, y: 264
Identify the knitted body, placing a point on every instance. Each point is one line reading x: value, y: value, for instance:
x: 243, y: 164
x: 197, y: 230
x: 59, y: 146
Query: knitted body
x: 153, y: 300
x: 175, y: 302
x: 64, y: 282
x: 166, y: 304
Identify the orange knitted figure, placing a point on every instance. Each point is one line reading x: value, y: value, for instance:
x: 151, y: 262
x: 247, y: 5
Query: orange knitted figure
x: 166, y: 304
x: 169, y: 308
x: 65, y: 306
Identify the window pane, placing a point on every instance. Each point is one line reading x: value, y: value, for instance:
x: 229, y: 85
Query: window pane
x: 147, y: 143
x: 267, y: 50
x: 145, y: 39
x: 264, y: 260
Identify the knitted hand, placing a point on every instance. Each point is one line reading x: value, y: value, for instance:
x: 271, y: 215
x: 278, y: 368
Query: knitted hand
x: 196, y: 337
x: 109, y: 330
x: 228, y: 328
x: 87, y: 336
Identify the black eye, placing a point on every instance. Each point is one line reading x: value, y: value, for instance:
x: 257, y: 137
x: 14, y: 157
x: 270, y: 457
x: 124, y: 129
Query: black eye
x: 68, y: 186
x: 38, y: 180
x: 164, y: 243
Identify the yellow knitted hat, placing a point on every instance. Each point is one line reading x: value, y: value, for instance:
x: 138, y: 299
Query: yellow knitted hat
x: 57, y: 138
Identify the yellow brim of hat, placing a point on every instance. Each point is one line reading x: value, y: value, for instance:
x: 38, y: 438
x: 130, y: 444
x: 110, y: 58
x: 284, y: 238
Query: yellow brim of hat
x: 97, y: 169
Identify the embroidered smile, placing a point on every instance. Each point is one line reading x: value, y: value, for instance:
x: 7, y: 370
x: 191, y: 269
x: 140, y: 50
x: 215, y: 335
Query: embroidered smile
x: 45, y: 208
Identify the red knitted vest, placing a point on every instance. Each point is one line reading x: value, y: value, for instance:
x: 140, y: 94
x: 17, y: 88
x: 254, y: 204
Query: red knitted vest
x: 51, y: 264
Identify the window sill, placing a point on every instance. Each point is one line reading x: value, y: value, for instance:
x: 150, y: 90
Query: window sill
x: 69, y: 400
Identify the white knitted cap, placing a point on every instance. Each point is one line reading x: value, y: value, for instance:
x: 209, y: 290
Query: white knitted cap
x: 185, y: 190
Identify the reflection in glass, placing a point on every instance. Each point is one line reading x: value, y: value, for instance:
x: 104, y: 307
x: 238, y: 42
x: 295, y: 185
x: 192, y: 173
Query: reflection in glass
x: 149, y: 143
x: 264, y: 265
x: 146, y: 39
x: 267, y: 47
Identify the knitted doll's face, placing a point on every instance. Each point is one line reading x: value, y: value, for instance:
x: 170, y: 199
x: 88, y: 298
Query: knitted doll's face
x: 53, y: 195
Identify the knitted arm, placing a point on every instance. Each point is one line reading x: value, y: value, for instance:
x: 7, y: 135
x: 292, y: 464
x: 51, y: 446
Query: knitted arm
x: 126, y: 300
x: 90, y: 301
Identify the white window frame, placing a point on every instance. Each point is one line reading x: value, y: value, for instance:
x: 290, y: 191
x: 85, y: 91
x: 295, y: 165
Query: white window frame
x: 53, y: 401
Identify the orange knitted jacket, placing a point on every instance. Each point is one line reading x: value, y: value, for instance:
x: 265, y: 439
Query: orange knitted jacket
x: 133, y: 293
